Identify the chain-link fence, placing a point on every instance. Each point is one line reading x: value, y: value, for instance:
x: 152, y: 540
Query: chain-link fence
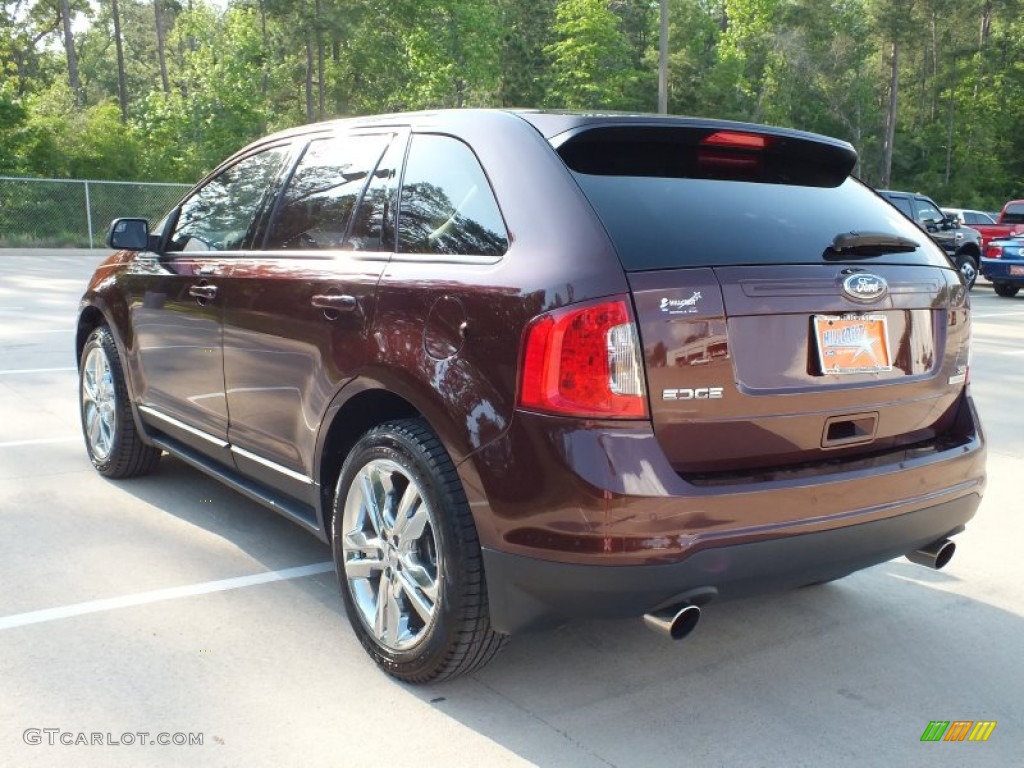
x: 49, y: 213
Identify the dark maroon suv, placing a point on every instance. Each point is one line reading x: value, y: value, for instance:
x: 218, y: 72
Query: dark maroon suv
x: 521, y: 367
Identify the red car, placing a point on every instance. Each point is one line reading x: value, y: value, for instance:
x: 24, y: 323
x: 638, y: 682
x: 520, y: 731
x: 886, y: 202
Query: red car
x: 522, y: 367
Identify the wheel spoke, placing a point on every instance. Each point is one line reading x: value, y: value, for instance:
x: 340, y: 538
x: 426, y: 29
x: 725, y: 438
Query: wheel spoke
x: 420, y: 578
x: 370, y: 502
x: 411, y: 516
x: 363, y: 557
x: 416, y: 598
x: 92, y: 424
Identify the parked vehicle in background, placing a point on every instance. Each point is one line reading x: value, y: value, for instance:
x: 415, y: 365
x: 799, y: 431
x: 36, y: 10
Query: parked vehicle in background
x: 970, y: 218
x: 524, y: 367
x: 962, y: 244
x: 1008, y: 223
x: 1003, y: 264
x: 975, y: 220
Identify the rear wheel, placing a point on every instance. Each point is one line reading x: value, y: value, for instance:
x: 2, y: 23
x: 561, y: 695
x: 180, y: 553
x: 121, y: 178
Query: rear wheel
x: 408, y: 557
x: 968, y: 267
x: 114, y: 445
x: 1008, y: 290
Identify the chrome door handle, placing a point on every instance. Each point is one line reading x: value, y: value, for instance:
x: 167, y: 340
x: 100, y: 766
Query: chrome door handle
x: 203, y: 291
x: 339, y: 303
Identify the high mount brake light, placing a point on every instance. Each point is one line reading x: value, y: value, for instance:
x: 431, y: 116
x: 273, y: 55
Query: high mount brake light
x: 736, y: 140
x: 584, y: 361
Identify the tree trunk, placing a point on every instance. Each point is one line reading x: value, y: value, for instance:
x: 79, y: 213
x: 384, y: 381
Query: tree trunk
x: 69, y: 50
x: 161, y: 50
x: 663, y: 58
x: 951, y: 111
x: 890, y: 116
x: 321, y: 77
x: 265, y: 80
x: 122, y: 81
x: 309, y: 80
x: 986, y: 24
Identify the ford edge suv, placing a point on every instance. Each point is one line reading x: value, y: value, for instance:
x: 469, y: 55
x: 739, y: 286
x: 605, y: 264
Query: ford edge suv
x: 519, y: 368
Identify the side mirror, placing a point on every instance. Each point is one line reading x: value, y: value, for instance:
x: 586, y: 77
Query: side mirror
x: 128, y: 234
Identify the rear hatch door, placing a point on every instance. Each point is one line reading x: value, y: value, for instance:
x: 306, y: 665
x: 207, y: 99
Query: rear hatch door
x: 787, y: 314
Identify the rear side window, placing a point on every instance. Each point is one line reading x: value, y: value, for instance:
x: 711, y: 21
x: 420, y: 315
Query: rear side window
x: 903, y: 204
x: 667, y: 200
x: 447, y: 206
x: 316, y: 208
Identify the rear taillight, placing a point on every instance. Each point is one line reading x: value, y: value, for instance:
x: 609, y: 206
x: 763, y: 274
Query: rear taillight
x: 994, y: 252
x: 584, y: 361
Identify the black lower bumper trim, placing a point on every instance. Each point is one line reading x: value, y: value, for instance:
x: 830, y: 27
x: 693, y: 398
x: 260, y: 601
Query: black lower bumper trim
x: 527, y: 593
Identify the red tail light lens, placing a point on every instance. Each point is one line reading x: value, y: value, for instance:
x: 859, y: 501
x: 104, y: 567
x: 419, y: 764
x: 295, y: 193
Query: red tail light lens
x: 584, y: 361
x: 994, y: 252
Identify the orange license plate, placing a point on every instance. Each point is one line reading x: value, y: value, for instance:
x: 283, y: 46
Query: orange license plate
x: 852, y: 343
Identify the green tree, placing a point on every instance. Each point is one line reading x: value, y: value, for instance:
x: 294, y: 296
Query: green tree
x: 591, y: 61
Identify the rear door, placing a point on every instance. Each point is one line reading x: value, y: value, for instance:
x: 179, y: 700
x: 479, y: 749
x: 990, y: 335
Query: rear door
x: 787, y: 314
x: 299, y: 305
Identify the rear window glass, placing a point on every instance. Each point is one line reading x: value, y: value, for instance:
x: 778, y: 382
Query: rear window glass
x: 1014, y: 214
x: 675, y: 220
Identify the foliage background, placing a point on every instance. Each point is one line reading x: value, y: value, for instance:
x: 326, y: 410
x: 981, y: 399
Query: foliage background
x: 930, y: 92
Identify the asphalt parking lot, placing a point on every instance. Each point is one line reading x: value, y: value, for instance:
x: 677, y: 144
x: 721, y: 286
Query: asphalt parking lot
x: 170, y: 606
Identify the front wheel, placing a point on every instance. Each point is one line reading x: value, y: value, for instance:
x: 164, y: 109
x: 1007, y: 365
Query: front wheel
x: 968, y: 267
x: 1009, y: 290
x: 408, y: 557
x: 111, y: 439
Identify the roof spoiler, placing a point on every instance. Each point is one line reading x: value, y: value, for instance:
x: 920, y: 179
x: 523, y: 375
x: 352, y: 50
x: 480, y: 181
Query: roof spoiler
x: 721, y: 151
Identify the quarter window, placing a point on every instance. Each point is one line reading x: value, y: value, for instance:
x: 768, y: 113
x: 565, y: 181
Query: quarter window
x: 318, y: 202
x: 447, y: 206
x: 219, y: 215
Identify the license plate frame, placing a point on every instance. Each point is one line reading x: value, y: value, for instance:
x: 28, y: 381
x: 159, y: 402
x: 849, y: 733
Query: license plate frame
x: 1017, y: 270
x: 852, y: 343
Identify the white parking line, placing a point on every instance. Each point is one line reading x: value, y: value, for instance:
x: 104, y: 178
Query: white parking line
x: 142, y: 598
x: 40, y: 441
x: 1007, y: 313
x: 35, y: 370
x: 25, y: 331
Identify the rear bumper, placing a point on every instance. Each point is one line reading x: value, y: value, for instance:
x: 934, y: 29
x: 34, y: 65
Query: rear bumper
x: 999, y: 270
x: 527, y: 592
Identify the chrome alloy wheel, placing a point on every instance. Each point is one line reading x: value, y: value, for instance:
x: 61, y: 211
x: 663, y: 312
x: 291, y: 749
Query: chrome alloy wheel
x: 969, y: 271
x: 390, y: 555
x: 99, y: 415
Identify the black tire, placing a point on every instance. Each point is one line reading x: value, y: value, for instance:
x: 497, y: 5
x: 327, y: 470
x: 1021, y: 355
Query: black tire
x: 1009, y: 290
x: 457, y: 637
x: 968, y: 266
x: 114, y: 445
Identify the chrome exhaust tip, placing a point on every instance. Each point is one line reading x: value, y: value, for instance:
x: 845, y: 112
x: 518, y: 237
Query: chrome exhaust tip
x: 675, y: 622
x: 934, y: 555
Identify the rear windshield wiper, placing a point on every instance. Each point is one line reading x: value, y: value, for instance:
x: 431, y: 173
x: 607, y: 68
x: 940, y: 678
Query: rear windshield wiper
x: 853, y: 244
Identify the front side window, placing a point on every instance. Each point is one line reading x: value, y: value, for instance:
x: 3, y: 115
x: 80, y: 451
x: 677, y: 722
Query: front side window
x: 927, y: 213
x: 218, y: 216
x: 317, y: 205
x: 447, y: 206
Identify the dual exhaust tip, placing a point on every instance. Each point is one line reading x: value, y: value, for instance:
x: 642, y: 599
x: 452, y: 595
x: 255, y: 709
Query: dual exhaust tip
x: 679, y: 620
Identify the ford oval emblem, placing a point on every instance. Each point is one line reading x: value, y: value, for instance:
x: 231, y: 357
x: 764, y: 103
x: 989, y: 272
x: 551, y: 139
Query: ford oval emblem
x: 865, y: 287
